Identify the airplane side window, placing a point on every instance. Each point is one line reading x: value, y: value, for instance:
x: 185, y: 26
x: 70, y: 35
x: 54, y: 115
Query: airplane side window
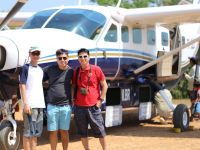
x: 151, y: 37
x: 164, y: 36
x: 111, y: 35
x: 124, y: 32
x: 137, y: 35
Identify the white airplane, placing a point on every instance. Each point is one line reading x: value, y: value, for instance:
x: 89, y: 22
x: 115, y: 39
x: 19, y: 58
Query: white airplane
x: 132, y: 46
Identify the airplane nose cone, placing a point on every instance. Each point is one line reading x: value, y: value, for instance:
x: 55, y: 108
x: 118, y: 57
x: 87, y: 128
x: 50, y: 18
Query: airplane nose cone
x: 9, y: 55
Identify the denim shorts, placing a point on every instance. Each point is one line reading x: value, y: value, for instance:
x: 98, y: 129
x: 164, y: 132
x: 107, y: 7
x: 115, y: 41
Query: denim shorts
x: 33, y: 124
x: 92, y: 116
x: 197, y: 107
x: 58, y: 117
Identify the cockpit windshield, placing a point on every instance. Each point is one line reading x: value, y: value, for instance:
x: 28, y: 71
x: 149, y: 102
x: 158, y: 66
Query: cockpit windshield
x: 38, y: 20
x: 86, y: 23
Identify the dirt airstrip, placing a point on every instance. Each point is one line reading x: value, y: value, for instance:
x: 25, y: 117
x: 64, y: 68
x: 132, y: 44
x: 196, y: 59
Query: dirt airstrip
x: 132, y: 135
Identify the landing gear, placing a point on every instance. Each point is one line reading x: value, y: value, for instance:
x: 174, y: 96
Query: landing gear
x: 181, y: 117
x: 9, y: 137
x: 8, y: 140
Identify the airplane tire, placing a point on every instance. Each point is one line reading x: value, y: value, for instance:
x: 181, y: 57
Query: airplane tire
x: 6, y: 139
x: 181, y: 117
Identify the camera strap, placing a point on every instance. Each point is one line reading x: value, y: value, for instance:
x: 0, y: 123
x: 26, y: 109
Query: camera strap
x: 60, y: 75
x: 89, y: 76
x: 78, y: 77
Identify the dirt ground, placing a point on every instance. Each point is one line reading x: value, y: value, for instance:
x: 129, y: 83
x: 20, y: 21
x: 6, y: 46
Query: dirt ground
x: 132, y: 135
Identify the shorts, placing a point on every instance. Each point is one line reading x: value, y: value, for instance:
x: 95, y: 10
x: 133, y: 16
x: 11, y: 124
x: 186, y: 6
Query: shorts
x: 58, y: 117
x: 192, y: 94
x: 197, y: 107
x: 33, y: 124
x: 92, y: 116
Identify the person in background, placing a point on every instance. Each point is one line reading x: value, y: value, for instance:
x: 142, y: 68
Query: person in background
x: 164, y: 111
x: 190, y: 78
x: 88, y: 99
x: 32, y: 96
x: 58, y: 99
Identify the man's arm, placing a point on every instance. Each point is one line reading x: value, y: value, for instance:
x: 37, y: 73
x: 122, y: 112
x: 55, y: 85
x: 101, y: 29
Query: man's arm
x: 23, y: 97
x: 104, y: 89
x: 103, y: 92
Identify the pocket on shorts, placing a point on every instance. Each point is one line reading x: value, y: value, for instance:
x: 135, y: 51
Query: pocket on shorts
x: 95, y: 109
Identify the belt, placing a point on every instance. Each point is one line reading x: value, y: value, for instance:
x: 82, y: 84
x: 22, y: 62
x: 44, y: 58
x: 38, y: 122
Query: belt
x: 58, y: 105
x: 84, y: 107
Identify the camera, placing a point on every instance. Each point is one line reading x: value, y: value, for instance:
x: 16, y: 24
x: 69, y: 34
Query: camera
x: 84, y: 91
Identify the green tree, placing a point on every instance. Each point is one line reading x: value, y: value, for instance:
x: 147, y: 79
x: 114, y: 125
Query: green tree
x: 135, y: 3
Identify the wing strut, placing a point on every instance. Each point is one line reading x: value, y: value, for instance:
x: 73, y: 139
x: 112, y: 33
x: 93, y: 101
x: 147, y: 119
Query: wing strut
x: 12, y: 12
x: 174, y: 51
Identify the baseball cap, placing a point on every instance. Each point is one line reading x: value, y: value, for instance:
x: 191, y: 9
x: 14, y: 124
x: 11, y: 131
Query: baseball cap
x: 33, y: 49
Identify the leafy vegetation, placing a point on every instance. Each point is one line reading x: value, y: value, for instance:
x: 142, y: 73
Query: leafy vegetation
x: 180, y: 91
x: 136, y: 3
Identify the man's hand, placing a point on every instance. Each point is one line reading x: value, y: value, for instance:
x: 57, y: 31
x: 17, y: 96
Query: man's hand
x: 27, y: 109
x: 98, y: 104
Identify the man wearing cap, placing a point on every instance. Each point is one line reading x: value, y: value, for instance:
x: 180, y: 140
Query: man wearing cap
x: 32, y: 96
x: 190, y: 78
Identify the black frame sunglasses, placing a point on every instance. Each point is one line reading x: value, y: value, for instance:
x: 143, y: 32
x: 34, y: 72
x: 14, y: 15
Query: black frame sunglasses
x: 84, y: 56
x: 35, y: 53
x: 62, y: 58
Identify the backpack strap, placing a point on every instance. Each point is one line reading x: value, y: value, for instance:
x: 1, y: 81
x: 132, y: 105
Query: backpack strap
x: 76, y: 87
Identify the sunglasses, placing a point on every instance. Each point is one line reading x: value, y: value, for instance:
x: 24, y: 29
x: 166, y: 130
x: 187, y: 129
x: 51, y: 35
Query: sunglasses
x: 85, y: 56
x: 35, y: 53
x: 60, y: 58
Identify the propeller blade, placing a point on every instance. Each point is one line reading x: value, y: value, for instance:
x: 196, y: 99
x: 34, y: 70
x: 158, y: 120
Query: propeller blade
x: 12, y: 12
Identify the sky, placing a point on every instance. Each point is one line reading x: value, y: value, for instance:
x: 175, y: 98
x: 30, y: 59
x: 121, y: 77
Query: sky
x: 36, y: 5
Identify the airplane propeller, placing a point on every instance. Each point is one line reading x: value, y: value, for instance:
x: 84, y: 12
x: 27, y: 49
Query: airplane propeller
x: 12, y: 12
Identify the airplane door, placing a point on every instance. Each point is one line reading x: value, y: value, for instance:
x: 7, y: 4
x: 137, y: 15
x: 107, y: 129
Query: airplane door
x: 162, y: 39
x: 108, y: 51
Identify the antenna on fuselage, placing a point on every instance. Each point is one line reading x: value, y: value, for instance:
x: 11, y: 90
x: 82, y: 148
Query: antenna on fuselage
x: 79, y: 2
x: 118, y: 4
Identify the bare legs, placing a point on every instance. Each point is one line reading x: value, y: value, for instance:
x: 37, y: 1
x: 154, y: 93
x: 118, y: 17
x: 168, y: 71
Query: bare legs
x: 64, y: 138
x: 29, y: 143
x: 86, y: 144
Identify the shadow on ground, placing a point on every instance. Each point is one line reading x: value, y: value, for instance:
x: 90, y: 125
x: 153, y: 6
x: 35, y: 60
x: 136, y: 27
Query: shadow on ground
x: 130, y: 127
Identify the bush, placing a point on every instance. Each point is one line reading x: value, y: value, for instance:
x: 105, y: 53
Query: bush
x: 180, y: 91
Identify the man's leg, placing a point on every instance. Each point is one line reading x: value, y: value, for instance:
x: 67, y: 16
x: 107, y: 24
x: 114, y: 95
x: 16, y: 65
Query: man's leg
x: 52, y: 124
x: 64, y: 138
x: 26, y: 143
x: 103, y: 142
x: 33, y: 143
x: 85, y: 143
x: 53, y: 139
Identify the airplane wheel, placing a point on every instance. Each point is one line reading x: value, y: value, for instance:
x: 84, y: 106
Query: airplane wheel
x: 7, y: 140
x: 181, y: 117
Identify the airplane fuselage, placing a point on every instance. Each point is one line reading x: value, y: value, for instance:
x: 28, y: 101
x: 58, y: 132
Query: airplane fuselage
x: 117, y: 48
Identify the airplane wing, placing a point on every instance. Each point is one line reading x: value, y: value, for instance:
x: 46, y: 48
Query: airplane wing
x: 12, y: 12
x: 18, y: 19
x: 167, y: 16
